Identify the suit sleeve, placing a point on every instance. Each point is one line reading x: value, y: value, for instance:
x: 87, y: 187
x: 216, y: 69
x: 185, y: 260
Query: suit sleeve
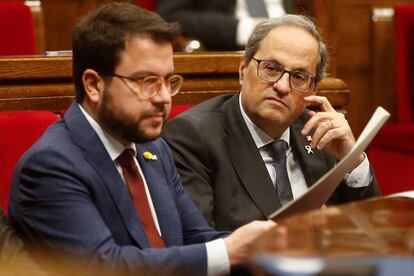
x: 50, y: 203
x: 191, y: 155
x: 345, y: 193
x: 215, y: 28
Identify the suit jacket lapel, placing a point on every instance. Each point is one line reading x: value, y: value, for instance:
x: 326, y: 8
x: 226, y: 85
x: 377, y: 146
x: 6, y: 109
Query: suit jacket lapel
x: 97, y: 156
x: 247, y: 160
x: 311, y: 164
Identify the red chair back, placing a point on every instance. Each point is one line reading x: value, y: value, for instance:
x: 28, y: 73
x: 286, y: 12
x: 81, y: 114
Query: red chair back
x: 17, y: 32
x: 19, y: 130
x: 391, y: 153
x: 177, y: 109
x: 404, y: 29
x: 147, y: 4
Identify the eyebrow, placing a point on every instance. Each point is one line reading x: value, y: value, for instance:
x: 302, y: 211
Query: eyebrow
x: 143, y: 74
x: 300, y: 69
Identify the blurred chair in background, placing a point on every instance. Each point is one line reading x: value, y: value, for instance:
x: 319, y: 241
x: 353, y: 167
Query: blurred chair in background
x: 17, y: 31
x: 147, y: 4
x: 19, y: 130
x: 392, y: 152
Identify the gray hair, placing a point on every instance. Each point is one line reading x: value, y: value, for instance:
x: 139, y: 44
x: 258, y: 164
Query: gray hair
x: 303, y: 22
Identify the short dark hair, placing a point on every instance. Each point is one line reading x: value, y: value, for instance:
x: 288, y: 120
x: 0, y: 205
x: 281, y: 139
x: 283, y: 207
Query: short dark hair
x: 300, y: 21
x: 99, y: 38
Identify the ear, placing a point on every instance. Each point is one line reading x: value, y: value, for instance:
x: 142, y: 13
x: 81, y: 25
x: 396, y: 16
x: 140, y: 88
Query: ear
x: 242, y: 70
x: 93, y: 84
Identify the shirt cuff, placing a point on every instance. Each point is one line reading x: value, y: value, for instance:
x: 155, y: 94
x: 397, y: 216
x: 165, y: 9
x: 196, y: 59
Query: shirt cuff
x: 360, y: 176
x: 217, y: 258
x: 244, y: 29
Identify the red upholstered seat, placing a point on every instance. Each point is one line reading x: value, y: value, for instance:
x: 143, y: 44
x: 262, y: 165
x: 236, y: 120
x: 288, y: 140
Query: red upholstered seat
x: 147, y: 4
x: 404, y: 24
x: 17, y: 32
x: 19, y: 130
x: 392, y: 156
x: 177, y: 109
x: 392, y: 152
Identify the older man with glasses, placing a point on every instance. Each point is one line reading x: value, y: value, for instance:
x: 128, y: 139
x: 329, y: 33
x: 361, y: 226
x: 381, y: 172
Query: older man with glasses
x: 243, y: 156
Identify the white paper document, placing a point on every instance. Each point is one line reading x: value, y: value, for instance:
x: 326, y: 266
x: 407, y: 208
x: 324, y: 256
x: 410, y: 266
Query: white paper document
x: 407, y: 194
x: 319, y: 193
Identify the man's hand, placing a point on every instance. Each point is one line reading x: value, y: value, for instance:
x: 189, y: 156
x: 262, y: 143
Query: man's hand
x: 332, y: 131
x: 240, y: 242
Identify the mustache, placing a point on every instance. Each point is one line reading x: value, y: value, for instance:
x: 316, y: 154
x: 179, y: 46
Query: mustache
x: 156, y: 111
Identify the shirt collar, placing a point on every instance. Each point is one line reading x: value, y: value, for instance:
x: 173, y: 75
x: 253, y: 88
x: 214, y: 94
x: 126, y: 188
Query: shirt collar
x: 112, y: 146
x: 260, y: 137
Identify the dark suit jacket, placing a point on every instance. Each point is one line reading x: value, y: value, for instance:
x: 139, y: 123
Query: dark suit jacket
x: 67, y: 195
x: 212, y: 22
x: 223, y: 171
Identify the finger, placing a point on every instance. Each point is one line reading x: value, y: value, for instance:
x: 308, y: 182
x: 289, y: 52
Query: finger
x: 315, y: 120
x: 310, y: 114
x: 320, y: 131
x: 320, y: 101
x: 327, y: 138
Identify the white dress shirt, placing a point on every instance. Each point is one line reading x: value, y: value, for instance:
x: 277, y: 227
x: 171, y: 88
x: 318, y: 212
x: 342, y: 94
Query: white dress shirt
x: 359, y: 177
x: 217, y: 258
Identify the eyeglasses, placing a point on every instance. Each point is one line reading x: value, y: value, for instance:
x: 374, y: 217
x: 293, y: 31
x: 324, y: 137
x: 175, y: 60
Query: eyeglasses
x: 151, y: 85
x: 272, y: 72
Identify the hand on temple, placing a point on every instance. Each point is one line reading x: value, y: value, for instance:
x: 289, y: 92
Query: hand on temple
x: 331, y: 129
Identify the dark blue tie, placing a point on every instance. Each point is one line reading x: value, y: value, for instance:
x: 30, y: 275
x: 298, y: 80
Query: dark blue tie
x: 256, y: 8
x: 277, y: 150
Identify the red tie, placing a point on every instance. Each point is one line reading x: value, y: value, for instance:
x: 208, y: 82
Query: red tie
x: 136, y: 188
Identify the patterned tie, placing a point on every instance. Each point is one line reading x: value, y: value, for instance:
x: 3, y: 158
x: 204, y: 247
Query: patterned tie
x: 256, y: 8
x: 136, y: 188
x: 277, y: 150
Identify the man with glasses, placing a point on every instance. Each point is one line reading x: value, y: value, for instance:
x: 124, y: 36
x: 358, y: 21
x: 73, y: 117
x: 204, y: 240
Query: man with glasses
x: 100, y: 183
x: 243, y: 156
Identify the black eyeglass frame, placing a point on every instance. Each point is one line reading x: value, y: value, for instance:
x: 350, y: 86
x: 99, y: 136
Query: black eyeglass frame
x: 140, y: 81
x: 314, y: 79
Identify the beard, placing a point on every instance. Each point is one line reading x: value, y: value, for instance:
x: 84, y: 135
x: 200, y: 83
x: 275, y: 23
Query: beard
x: 129, y: 127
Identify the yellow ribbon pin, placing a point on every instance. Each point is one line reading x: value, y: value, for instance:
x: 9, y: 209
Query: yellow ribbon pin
x: 149, y: 156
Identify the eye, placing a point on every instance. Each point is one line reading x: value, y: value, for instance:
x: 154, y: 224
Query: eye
x: 271, y: 68
x: 300, y: 77
x: 174, y: 80
x: 151, y: 80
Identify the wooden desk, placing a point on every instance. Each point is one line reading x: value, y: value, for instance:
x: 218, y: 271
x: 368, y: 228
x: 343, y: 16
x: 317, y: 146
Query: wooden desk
x: 45, y: 83
x: 375, y: 227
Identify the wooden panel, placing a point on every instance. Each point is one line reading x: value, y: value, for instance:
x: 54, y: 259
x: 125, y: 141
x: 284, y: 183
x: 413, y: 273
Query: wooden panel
x: 383, y: 61
x: 31, y: 83
x: 36, y: 9
x: 60, y: 18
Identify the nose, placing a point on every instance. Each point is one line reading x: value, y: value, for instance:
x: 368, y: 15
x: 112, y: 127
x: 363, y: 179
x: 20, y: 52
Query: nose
x: 163, y: 96
x: 282, y: 86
